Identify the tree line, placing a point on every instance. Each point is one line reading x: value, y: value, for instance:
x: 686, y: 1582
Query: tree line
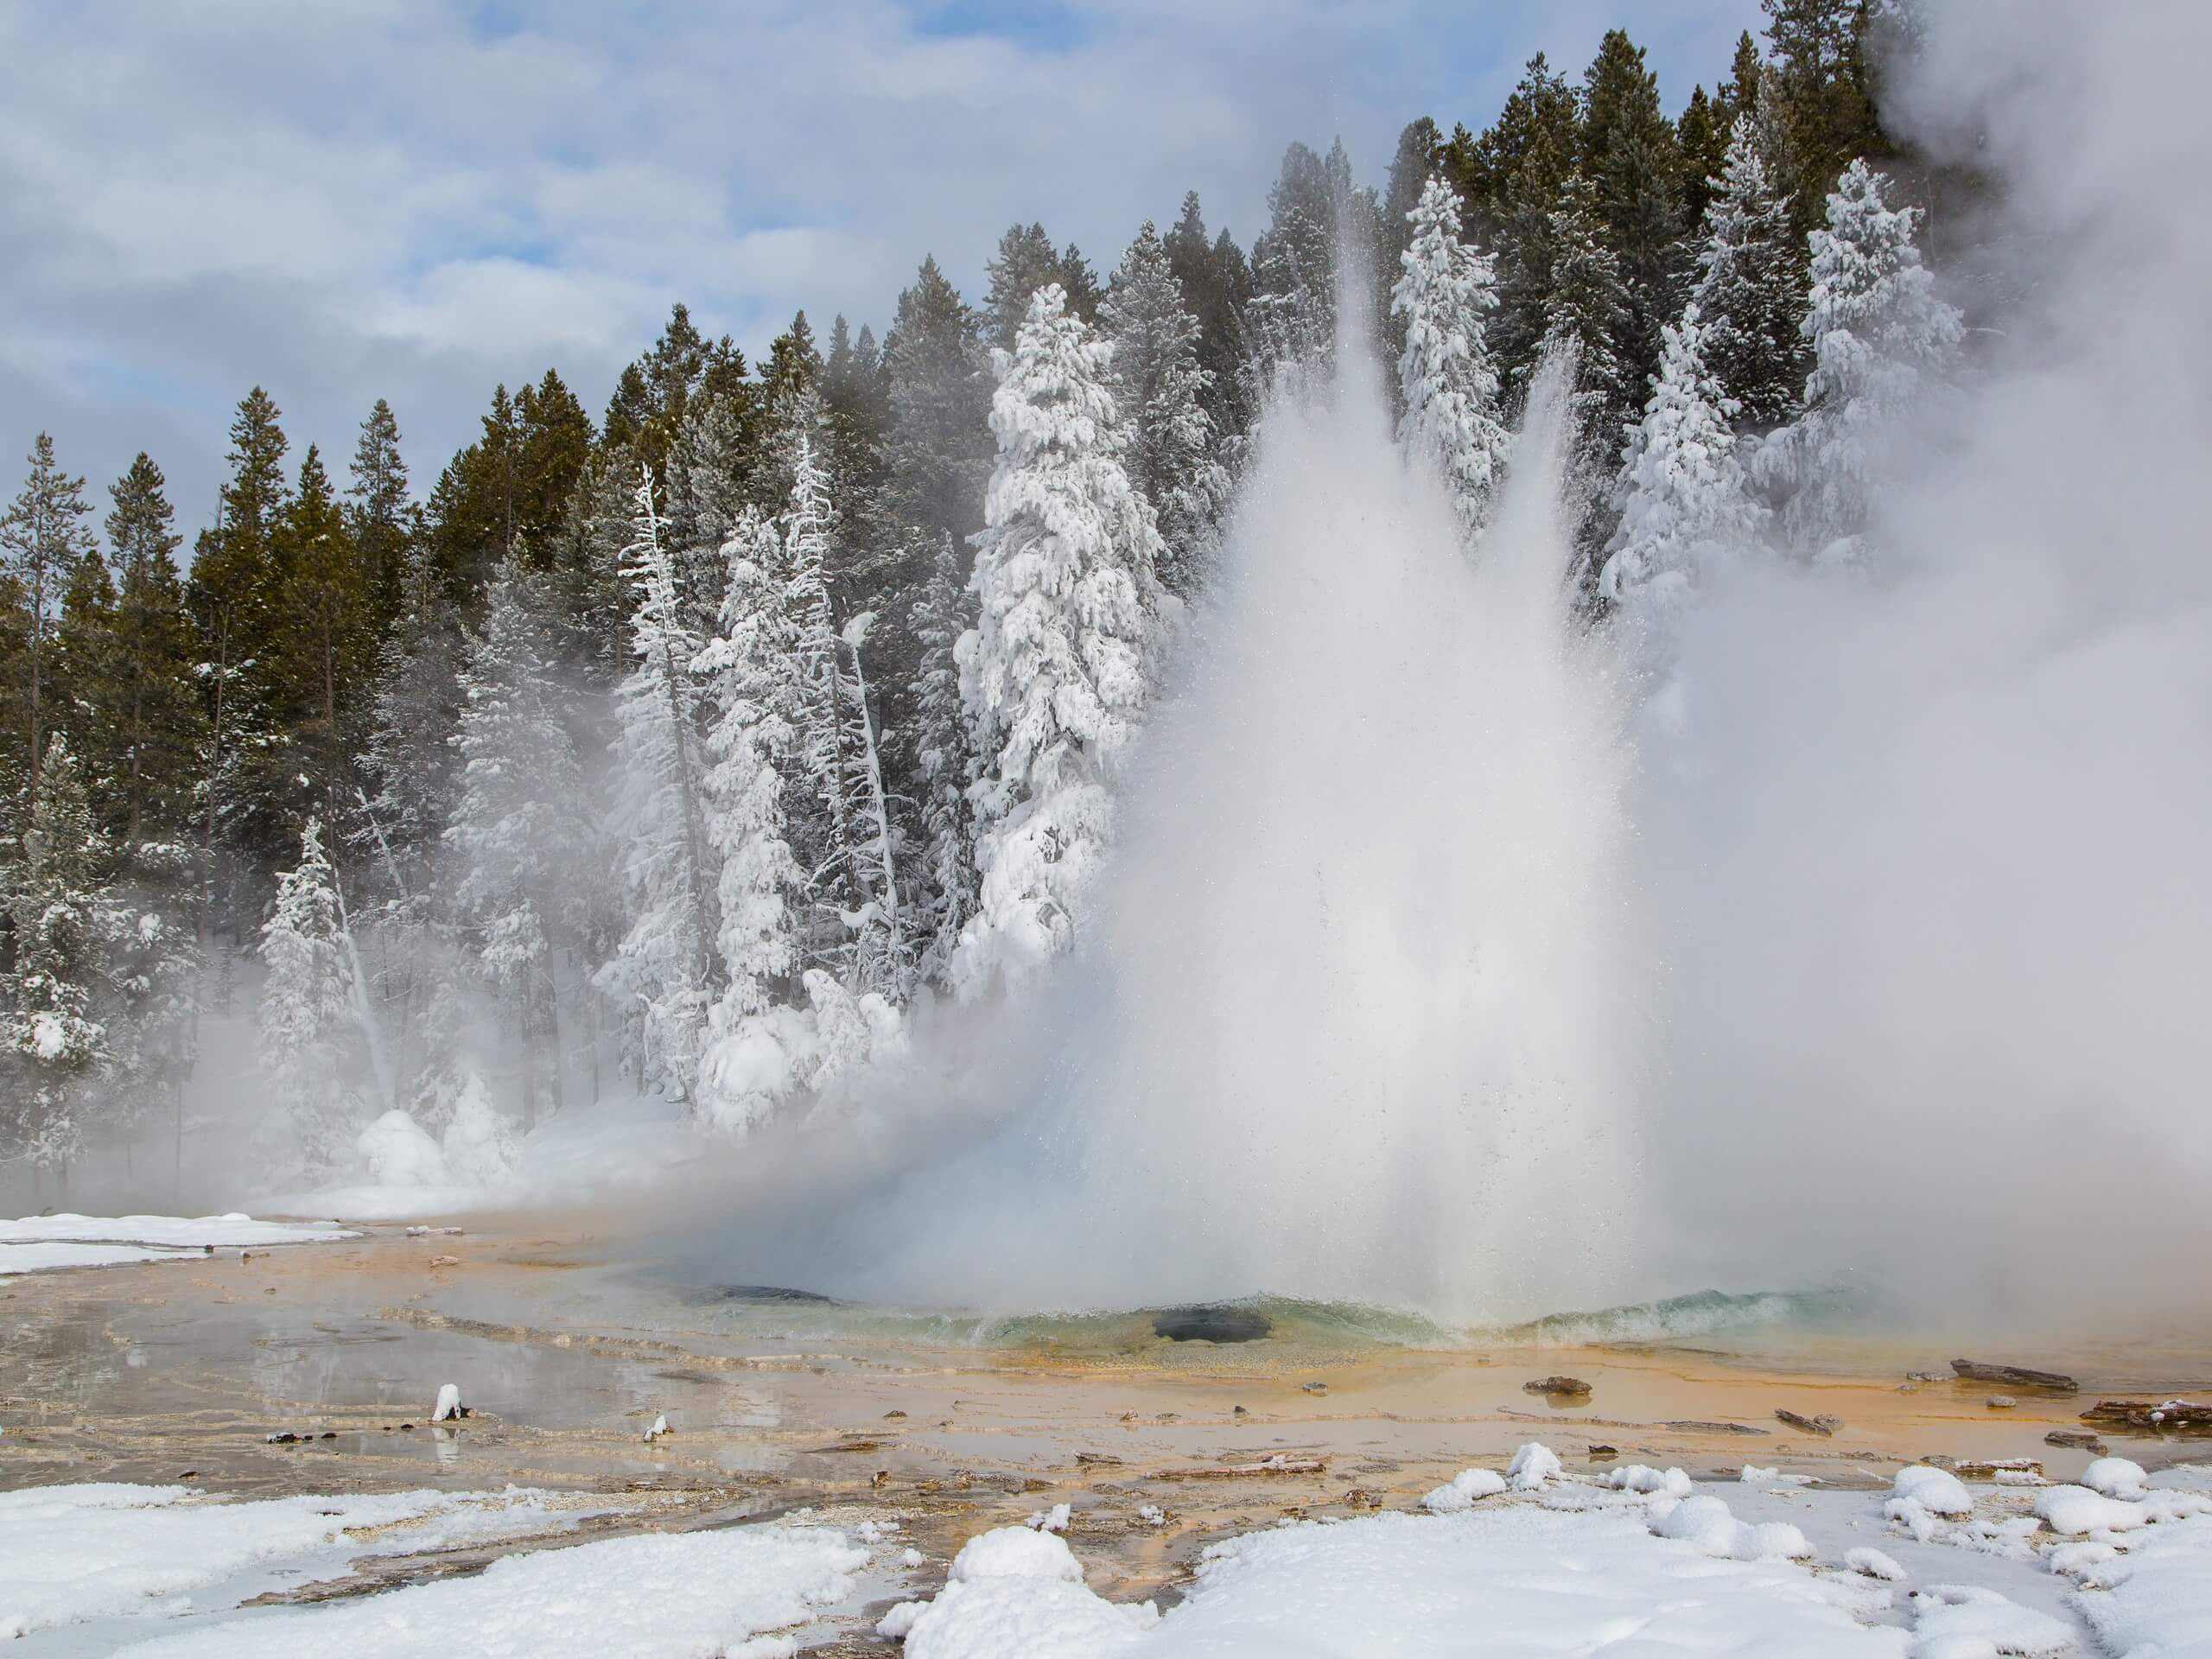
x: 692, y: 745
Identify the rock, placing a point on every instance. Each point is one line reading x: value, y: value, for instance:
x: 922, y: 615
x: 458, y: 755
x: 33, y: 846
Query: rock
x: 1926, y: 1377
x: 2076, y: 1439
x: 445, y: 1260
x: 1277, y: 1464
x: 285, y: 1439
x: 1557, y: 1387
x: 1240, y: 1411
x: 894, y: 1416
x: 2001, y: 1402
x: 2017, y: 1377
x: 1992, y: 1468
x: 1598, y: 1452
x: 1694, y: 1425
x: 1823, y: 1426
x: 1314, y: 1388
x: 1095, y: 1460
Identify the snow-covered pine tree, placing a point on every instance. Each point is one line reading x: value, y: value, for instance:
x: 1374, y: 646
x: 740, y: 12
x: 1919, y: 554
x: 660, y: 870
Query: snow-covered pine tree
x: 1061, y: 665
x: 855, y: 928
x: 1588, y: 306
x: 415, y: 703
x: 881, y: 950
x: 519, y: 830
x: 1445, y: 294
x: 56, y: 1044
x: 1159, y: 390
x: 309, y: 1030
x: 945, y: 762
x: 1686, y: 505
x: 749, y: 672
x: 1879, y: 334
x: 662, y: 976
x: 1750, y: 287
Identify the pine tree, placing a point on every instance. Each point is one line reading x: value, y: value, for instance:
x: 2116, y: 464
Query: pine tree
x: 42, y: 541
x: 939, y: 449
x: 1878, y: 334
x: 1026, y: 262
x: 378, y: 515
x: 1158, y: 391
x: 711, y: 465
x: 87, y: 668
x: 1826, y: 94
x: 944, y: 765
x: 1061, y: 668
x: 1291, y: 319
x: 408, y: 760
x: 159, y: 723
x: 855, y: 424
x: 1686, y: 507
x: 661, y: 977
x: 1630, y: 156
x: 518, y: 829
x: 309, y: 1030
x: 1750, y: 287
x: 1512, y: 180
x: 1445, y: 294
x: 57, y: 1045
x: 1217, y: 284
x: 327, y: 640
x: 1589, y: 306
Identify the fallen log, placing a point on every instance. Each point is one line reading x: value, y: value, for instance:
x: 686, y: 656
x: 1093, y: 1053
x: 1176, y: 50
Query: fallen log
x: 1267, y: 1466
x: 2017, y: 1377
x: 2150, y: 1417
x: 2076, y: 1439
x: 1823, y: 1425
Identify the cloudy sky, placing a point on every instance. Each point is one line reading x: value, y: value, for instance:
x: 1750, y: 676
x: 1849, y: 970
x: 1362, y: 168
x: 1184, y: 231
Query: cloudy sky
x: 418, y: 198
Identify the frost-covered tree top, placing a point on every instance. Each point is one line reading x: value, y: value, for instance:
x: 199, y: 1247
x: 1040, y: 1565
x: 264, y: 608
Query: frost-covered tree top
x: 1588, y: 306
x: 1059, y: 667
x: 1686, y: 507
x: 306, y: 1015
x: 1750, y: 285
x: 1879, y: 334
x: 1445, y: 292
x: 1159, y: 390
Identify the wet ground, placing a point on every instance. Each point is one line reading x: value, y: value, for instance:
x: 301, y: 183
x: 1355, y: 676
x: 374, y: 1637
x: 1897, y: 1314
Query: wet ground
x: 1158, y: 1427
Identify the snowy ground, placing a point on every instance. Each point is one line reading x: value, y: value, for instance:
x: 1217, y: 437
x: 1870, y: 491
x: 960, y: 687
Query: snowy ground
x: 36, y: 1243
x: 1644, y: 1564
x: 1533, y: 1563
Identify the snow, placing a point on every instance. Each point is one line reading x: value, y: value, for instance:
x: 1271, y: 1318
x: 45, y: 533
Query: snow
x: 1055, y: 1519
x: 657, y: 1596
x: 2159, y: 1600
x: 1519, y: 1581
x: 2114, y: 1477
x: 449, y: 1403
x: 74, y: 1552
x: 1641, y: 1477
x: 1532, y: 1466
x: 1936, y: 1491
x: 1708, y: 1524
x: 1874, y: 1564
x: 1461, y: 1492
x: 1952, y: 1621
x: 2078, y: 1510
x: 174, y: 1231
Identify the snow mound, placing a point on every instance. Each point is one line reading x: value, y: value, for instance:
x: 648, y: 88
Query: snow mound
x: 398, y: 1152
x: 480, y: 1148
x: 2114, y: 1477
x: 1707, y: 1524
x: 1936, y: 1491
x: 1641, y: 1478
x: 658, y: 1593
x: 1460, y: 1493
x: 1532, y: 1466
x: 2160, y: 1598
x: 2077, y: 1509
x: 1015, y: 1590
x: 1874, y: 1564
x: 1015, y: 1553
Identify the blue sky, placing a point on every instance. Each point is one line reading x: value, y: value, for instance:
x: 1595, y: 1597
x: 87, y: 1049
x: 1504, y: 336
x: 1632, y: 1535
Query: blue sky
x: 419, y: 198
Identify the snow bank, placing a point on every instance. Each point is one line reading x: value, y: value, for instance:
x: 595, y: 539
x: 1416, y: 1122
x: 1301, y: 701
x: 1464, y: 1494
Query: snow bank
x: 74, y: 1553
x: 2114, y: 1477
x: 175, y: 1232
x: 1707, y: 1524
x: 398, y: 1152
x: 1515, y: 1578
x: 682, y: 1594
x: 2076, y: 1509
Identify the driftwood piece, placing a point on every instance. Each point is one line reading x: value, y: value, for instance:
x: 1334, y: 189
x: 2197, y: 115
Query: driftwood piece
x: 2150, y: 1417
x: 1696, y: 1425
x: 1823, y: 1425
x: 1265, y: 1467
x: 2017, y: 1377
x: 2076, y: 1439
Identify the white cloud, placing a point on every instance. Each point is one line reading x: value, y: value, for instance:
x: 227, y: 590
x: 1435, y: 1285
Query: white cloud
x: 351, y: 200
